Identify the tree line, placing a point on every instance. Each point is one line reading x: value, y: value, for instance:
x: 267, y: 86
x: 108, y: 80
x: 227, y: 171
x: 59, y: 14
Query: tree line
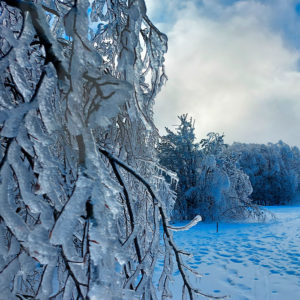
x: 223, y: 182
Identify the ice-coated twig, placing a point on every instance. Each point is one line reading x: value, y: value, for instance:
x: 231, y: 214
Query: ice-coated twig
x: 193, y: 223
x: 132, y: 171
x: 130, y: 211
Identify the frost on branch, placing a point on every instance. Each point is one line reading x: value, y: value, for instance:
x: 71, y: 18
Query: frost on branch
x: 77, y: 222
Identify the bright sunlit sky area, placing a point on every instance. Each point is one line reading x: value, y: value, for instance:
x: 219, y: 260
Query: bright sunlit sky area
x: 233, y: 65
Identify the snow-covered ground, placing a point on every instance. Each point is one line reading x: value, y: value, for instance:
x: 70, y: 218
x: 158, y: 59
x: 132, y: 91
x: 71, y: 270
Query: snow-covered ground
x: 246, y: 261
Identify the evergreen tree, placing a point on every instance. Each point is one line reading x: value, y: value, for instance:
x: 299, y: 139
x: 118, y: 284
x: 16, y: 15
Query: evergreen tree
x: 179, y: 152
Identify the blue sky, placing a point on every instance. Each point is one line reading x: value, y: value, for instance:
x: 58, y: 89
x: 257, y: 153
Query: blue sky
x: 233, y: 65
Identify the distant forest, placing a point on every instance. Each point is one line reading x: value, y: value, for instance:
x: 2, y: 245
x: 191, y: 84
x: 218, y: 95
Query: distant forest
x: 228, y: 182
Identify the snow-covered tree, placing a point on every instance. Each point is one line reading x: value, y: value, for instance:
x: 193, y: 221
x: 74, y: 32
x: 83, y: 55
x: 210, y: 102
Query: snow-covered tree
x: 213, y: 144
x: 179, y: 152
x: 80, y: 210
x: 210, y: 182
x: 273, y: 170
x: 223, y: 189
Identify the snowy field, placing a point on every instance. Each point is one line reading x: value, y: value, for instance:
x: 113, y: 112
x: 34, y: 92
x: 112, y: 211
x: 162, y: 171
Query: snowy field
x: 246, y: 261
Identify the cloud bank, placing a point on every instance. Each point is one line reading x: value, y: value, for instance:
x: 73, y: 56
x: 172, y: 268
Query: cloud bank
x: 233, y: 67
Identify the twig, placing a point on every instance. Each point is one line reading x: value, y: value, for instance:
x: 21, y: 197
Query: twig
x: 194, y: 222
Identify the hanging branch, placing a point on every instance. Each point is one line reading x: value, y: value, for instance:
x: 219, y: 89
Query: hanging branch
x: 130, y: 211
x: 166, y: 227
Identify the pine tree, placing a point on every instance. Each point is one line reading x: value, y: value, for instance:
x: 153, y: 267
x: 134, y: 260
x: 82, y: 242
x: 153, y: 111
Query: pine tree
x: 179, y: 152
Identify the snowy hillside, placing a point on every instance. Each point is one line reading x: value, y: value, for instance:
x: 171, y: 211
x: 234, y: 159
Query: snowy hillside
x: 246, y: 261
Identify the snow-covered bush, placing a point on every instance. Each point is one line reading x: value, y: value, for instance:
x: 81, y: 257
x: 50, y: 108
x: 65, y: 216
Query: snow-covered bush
x: 208, y: 194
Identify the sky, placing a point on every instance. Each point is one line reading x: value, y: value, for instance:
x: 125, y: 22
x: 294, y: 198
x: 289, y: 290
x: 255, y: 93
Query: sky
x: 233, y: 65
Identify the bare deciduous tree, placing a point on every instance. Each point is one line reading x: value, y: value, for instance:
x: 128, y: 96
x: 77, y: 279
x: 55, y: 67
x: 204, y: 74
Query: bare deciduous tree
x: 81, y: 190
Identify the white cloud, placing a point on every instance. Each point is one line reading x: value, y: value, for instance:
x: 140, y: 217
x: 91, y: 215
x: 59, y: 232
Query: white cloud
x: 231, y: 71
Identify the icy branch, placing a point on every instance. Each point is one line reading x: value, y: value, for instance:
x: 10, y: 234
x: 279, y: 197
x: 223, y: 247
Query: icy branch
x: 52, y: 48
x: 194, y: 222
